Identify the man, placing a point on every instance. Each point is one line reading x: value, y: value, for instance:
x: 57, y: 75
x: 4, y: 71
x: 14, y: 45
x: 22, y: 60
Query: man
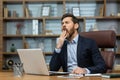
x: 75, y: 53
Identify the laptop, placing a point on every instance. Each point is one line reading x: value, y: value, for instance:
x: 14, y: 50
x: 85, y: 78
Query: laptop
x: 34, y: 62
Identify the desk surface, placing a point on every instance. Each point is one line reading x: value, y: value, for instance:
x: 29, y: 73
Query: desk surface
x: 9, y: 76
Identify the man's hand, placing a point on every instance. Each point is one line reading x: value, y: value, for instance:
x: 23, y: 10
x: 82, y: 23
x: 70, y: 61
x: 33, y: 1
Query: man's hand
x: 79, y: 70
x: 61, y: 39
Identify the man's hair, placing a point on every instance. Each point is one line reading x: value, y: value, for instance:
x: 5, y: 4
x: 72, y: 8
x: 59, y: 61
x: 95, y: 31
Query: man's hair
x: 74, y: 19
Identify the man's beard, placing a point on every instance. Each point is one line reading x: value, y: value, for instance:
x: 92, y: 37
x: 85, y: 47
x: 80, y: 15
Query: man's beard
x: 70, y: 34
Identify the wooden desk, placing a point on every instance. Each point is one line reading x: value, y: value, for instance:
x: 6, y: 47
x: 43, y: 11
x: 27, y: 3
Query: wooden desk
x: 9, y: 76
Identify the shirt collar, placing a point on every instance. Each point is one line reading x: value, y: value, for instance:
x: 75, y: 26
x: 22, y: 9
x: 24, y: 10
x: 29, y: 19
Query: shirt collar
x: 75, y: 40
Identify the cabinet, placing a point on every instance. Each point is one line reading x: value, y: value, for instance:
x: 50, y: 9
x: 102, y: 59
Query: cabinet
x: 40, y: 31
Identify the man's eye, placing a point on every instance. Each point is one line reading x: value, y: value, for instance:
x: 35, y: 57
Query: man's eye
x: 67, y: 22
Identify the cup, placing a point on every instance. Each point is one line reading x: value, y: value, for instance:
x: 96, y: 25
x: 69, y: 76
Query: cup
x: 18, y: 69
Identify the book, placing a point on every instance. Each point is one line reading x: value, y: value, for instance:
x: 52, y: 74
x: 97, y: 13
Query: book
x: 101, y: 11
x: 111, y: 75
x: 27, y: 12
x: 14, y: 14
x: 5, y: 12
x: 35, y: 27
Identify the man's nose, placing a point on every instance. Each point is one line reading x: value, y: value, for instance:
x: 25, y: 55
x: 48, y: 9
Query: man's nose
x: 63, y: 25
x: 63, y: 28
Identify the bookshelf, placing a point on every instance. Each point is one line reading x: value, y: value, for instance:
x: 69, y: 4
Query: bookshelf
x: 28, y: 13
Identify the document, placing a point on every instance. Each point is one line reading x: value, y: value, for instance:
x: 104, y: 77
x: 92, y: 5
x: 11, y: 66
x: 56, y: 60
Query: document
x: 71, y: 76
x: 97, y: 74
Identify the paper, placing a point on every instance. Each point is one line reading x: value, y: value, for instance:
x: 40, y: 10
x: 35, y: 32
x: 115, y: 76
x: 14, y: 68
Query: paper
x: 98, y: 74
x: 71, y: 76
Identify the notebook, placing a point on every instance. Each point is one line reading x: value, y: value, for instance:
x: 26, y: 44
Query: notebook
x: 34, y: 62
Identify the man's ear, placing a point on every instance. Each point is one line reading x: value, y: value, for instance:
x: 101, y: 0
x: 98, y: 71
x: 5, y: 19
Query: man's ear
x: 76, y: 26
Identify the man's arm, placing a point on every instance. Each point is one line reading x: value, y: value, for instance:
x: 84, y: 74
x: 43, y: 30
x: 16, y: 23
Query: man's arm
x: 55, y: 62
x: 89, y: 57
x: 99, y: 63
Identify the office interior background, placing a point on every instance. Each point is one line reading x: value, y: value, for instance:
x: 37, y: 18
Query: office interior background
x: 37, y: 23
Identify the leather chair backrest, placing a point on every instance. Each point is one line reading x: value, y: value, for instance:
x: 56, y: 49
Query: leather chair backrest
x: 108, y: 56
x: 104, y: 39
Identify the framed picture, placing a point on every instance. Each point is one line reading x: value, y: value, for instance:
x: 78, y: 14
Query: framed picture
x: 45, y: 10
x: 76, y: 11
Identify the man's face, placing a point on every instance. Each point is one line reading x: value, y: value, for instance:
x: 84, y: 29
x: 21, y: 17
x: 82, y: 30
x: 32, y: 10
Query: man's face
x: 68, y: 26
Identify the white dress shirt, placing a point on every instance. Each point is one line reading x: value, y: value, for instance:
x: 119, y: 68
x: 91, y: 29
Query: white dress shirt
x: 71, y: 54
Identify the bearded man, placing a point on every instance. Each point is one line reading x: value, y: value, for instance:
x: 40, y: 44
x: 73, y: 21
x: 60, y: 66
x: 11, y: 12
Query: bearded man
x: 74, y: 53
